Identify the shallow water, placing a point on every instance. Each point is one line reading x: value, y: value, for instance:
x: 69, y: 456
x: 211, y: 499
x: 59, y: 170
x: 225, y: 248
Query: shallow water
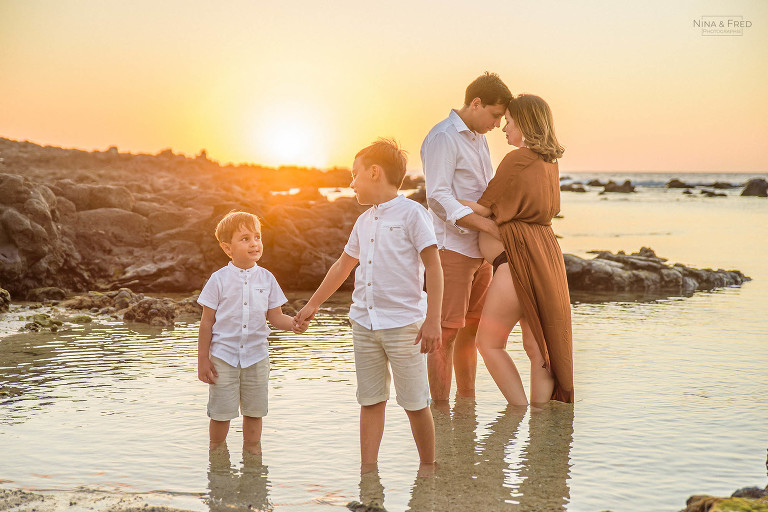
x: 672, y: 398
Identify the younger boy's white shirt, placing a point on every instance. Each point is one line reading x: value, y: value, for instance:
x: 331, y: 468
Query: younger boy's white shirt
x: 389, y: 282
x: 241, y: 298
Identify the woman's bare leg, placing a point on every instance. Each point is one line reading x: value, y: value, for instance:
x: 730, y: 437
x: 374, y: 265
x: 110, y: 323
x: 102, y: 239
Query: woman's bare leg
x: 500, y: 314
x: 542, y: 382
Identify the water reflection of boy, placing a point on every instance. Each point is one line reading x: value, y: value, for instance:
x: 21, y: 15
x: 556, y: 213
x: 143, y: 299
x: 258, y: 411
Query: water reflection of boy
x: 230, y: 489
x: 393, y: 320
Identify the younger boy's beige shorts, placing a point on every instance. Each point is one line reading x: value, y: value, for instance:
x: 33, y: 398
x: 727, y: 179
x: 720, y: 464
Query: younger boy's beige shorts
x: 374, y: 349
x: 238, y: 390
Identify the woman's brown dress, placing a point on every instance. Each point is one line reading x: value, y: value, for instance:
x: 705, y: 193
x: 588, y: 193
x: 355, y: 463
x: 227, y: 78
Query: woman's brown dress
x: 524, y: 195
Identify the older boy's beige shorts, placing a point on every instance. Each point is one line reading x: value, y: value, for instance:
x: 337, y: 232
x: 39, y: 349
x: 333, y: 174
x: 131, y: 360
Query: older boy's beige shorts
x: 243, y: 389
x: 373, y: 349
x: 466, y: 282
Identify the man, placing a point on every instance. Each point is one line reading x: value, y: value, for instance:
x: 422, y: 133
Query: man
x: 457, y: 165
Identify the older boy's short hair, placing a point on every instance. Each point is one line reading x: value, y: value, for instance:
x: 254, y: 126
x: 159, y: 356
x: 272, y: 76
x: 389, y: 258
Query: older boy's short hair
x: 233, y: 221
x: 387, y: 154
x: 490, y: 89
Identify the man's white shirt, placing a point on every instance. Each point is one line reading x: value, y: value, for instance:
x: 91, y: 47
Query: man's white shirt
x: 389, y: 282
x: 241, y: 298
x: 457, y: 165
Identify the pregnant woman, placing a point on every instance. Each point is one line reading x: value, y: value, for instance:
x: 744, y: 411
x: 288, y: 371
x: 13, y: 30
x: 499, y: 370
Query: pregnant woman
x: 529, y: 284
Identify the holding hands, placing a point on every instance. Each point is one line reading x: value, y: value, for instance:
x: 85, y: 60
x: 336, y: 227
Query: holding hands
x: 303, y: 317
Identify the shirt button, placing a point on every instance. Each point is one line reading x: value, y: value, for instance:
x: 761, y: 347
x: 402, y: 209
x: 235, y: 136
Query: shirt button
x: 370, y: 307
x: 245, y: 303
x: 371, y: 239
x: 376, y: 218
x: 369, y: 284
x: 369, y: 262
x: 390, y: 229
x: 242, y: 346
x: 243, y: 326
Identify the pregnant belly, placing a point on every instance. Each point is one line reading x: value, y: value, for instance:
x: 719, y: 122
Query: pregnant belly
x: 489, y: 246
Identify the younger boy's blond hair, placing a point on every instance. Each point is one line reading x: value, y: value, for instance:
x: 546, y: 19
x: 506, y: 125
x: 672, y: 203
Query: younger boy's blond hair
x: 234, y: 220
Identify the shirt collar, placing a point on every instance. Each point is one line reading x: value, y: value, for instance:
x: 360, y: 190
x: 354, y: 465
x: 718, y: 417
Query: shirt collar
x: 458, y: 123
x: 241, y: 271
x: 390, y: 203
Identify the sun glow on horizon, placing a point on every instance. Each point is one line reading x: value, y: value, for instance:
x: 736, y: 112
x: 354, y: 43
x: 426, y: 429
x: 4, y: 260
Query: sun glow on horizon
x: 289, y: 135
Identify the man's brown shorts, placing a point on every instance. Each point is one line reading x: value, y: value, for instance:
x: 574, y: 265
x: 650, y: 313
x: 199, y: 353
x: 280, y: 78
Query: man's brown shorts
x: 466, y: 282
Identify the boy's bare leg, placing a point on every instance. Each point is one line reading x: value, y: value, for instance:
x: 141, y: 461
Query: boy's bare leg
x: 371, y: 431
x: 465, y: 361
x: 440, y: 366
x: 423, y: 429
x: 252, y: 435
x: 217, y: 432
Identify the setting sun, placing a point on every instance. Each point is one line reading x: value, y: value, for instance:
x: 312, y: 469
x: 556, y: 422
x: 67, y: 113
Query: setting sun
x: 289, y: 135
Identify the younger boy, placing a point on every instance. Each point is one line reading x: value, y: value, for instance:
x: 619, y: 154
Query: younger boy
x: 394, y: 242
x: 232, y: 345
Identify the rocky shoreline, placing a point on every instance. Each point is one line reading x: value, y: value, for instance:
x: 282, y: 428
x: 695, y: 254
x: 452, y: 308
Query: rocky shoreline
x: 73, y: 221
x: 604, y: 276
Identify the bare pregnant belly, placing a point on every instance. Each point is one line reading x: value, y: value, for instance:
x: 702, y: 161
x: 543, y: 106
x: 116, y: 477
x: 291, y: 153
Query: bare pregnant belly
x: 489, y: 246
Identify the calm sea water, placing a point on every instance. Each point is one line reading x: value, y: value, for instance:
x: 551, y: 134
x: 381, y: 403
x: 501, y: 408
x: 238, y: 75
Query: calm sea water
x: 672, y: 397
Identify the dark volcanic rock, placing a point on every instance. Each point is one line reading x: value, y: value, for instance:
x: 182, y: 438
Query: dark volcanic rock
x: 35, y: 250
x: 676, y: 183
x: 47, y: 293
x: 5, y: 300
x: 756, y: 187
x: 595, y: 183
x: 709, y: 193
x: 153, y: 311
x: 572, y: 187
x: 624, y: 188
x: 722, y: 185
x: 643, y: 272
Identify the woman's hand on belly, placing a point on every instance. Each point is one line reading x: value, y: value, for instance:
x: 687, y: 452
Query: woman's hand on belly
x: 489, y: 246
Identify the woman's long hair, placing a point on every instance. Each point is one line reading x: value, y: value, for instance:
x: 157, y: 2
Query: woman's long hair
x: 534, y: 118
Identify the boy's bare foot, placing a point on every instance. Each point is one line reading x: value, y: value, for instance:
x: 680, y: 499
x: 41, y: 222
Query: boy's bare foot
x: 252, y: 448
x: 213, y: 445
x: 427, y: 469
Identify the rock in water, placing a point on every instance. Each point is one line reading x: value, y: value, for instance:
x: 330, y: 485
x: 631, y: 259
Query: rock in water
x: 643, y: 271
x: 152, y: 311
x: 756, y: 187
x: 676, y: 183
x: 573, y: 187
x: 5, y: 300
x: 625, y: 188
x: 46, y: 293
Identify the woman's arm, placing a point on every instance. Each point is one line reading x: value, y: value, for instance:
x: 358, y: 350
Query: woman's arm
x: 477, y: 208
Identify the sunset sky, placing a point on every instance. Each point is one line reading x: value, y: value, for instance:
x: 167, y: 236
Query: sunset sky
x: 634, y: 86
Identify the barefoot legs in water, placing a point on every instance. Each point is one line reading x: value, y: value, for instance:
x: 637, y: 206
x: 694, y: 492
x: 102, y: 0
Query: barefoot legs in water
x: 501, y: 312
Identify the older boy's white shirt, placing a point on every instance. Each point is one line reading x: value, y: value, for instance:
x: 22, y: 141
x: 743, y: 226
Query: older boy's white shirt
x: 241, y: 298
x: 389, y: 282
x: 457, y: 165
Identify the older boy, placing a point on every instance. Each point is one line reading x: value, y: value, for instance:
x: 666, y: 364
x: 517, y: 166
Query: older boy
x: 394, y: 242
x: 232, y: 345
x: 457, y: 165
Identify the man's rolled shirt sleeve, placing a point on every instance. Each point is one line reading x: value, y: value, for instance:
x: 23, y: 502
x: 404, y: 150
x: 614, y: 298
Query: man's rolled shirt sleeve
x: 439, y: 161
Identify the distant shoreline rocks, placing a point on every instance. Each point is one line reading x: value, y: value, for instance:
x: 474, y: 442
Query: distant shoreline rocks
x: 72, y: 221
x: 643, y: 272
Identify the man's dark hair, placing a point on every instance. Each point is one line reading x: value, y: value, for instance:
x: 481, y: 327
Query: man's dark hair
x: 490, y: 89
